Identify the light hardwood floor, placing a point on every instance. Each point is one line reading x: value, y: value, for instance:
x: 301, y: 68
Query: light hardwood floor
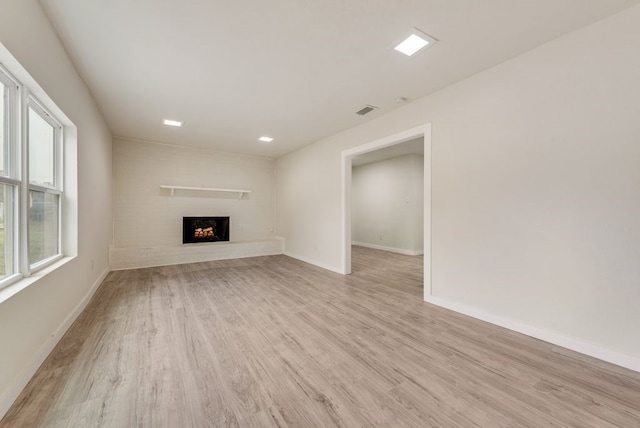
x: 271, y: 341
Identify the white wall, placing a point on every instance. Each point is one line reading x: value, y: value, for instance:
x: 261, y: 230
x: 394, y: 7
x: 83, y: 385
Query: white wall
x: 388, y: 204
x: 535, y: 189
x: 32, y: 320
x: 146, y: 216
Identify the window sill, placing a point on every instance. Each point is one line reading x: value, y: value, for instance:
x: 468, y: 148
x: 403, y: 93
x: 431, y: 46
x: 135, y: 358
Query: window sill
x: 15, y: 287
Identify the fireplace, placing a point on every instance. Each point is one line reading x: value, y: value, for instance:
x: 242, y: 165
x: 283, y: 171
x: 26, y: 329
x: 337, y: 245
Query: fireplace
x: 204, y: 229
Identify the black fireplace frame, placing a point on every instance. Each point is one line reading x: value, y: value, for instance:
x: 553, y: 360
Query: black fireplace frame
x: 221, y: 226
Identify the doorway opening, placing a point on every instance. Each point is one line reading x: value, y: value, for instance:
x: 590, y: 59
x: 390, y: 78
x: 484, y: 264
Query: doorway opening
x: 388, y: 143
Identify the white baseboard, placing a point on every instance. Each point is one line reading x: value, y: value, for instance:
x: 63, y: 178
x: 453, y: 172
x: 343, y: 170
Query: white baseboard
x: 391, y: 249
x: 314, y: 262
x: 10, y: 395
x: 586, y: 348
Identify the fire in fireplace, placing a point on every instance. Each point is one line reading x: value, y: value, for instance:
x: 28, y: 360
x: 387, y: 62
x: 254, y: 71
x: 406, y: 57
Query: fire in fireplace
x: 204, y: 229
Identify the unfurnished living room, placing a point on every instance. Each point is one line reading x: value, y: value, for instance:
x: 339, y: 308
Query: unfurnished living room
x: 416, y: 213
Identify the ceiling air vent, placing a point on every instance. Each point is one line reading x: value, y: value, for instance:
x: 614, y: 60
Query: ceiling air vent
x: 366, y: 109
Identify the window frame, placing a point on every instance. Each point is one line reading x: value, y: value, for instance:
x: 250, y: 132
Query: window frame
x: 11, y: 122
x: 57, y: 188
x: 16, y: 146
x: 12, y: 176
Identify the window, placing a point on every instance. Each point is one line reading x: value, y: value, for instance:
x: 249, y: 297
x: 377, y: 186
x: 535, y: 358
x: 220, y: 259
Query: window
x: 44, y: 135
x: 4, y: 92
x: 31, y: 188
x: 7, y: 227
x: 8, y: 183
x: 42, y: 144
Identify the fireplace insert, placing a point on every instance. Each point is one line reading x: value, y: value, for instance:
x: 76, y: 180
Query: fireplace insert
x: 204, y: 229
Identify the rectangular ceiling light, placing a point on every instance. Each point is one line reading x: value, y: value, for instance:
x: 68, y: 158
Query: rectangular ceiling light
x: 366, y: 109
x: 170, y: 122
x: 265, y: 139
x: 416, y: 41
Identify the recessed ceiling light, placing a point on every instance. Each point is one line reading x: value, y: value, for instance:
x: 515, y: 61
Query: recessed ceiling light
x: 170, y: 122
x: 416, y: 41
x: 265, y: 139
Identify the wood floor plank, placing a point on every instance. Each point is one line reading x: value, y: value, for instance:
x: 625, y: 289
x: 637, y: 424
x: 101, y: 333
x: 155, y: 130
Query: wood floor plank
x: 272, y: 341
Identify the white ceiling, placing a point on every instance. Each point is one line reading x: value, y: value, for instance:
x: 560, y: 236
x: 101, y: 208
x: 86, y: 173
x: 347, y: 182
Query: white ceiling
x: 296, y: 70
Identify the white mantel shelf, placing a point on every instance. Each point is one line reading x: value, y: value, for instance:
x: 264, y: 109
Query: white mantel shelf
x: 240, y: 192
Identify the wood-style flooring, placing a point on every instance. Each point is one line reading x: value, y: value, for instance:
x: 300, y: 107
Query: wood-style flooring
x: 272, y: 341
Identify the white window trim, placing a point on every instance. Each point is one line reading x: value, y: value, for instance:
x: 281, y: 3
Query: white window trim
x: 12, y: 176
x: 30, y: 101
x: 17, y: 175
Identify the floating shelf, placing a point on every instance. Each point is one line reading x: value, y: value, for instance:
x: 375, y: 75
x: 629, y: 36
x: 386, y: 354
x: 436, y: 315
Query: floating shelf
x: 240, y: 192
